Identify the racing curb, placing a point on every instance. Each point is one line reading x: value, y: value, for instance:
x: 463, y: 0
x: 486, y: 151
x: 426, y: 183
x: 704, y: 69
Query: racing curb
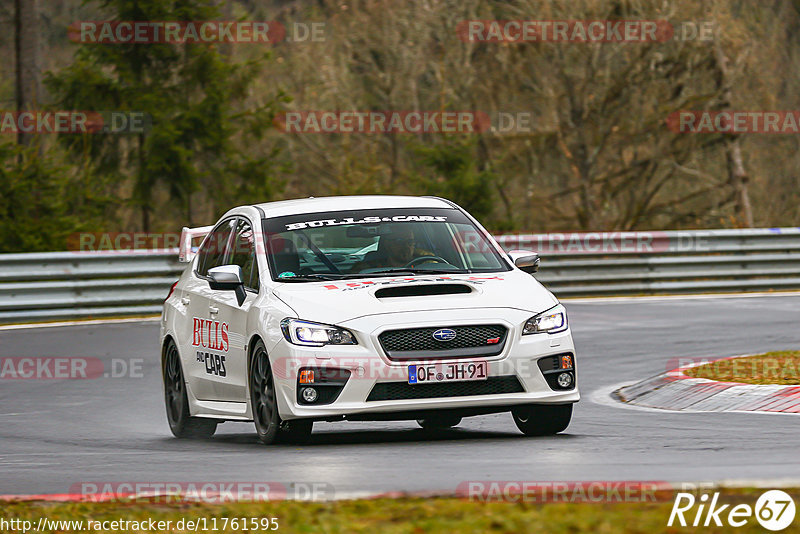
x: 674, y: 390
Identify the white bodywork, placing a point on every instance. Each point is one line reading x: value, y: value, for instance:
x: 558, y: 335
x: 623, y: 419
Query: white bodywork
x: 509, y: 298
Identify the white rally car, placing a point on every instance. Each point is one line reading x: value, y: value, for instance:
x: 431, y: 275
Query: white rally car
x: 360, y: 308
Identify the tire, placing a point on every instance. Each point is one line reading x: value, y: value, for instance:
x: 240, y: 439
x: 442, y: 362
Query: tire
x: 263, y: 401
x: 296, y: 431
x: 176, y: 401
x: 439, y: 422
x: 542, y: 419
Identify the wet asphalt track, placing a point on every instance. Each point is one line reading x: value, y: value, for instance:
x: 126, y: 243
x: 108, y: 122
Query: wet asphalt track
x: 56, y: 433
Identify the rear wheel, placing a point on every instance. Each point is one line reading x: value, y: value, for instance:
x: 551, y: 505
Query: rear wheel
x: 439, y: 421
x: 542, y: 419
x: 181, y: 423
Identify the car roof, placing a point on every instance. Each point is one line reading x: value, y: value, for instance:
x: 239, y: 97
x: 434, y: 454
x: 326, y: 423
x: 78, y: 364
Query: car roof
x: 355, y: 202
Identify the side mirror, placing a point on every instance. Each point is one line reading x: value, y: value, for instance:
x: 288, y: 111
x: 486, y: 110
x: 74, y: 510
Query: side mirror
x: 227, y: 278
x: 526, y: 260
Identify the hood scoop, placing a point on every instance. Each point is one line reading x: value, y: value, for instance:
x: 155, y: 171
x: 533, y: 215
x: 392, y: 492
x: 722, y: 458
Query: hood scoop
x: 423, y: 290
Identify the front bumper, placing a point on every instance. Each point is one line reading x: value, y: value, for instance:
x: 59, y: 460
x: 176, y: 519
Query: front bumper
x: 368, y: 365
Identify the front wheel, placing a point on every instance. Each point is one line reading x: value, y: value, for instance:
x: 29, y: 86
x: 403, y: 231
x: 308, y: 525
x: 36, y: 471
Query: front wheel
x: 542, y: 419
x: 180, y: 422
x: 262, y: 396
x: 269, y: 426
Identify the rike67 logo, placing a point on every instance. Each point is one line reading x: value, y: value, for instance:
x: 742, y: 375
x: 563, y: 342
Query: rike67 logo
x: 774, y: 510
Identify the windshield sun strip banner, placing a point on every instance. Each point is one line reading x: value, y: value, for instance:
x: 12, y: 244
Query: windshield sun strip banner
x: 377, y: 216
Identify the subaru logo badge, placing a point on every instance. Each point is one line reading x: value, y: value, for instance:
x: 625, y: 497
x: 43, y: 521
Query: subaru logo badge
x: 444, y: 334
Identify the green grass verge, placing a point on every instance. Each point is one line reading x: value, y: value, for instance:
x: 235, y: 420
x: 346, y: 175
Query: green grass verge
x: 406, y: 515
x: 769, y: 368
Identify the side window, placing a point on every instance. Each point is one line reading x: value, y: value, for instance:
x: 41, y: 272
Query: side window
x: 212, y: 253
x: 243, y: 254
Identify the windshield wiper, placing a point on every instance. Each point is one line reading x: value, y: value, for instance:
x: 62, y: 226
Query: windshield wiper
x: 412, y: 270
x: 309, y: 278
x: 377, y: 274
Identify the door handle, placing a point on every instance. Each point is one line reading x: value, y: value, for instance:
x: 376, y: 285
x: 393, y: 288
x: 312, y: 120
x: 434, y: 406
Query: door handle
x: 184, y: 300
x: 213, y: 310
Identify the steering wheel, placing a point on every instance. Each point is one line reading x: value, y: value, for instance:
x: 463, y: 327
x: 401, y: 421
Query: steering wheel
x: 426, y: 259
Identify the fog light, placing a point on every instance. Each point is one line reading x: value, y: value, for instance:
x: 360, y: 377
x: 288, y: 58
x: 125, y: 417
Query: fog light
x: 309, y: 394
x: 564, y: 380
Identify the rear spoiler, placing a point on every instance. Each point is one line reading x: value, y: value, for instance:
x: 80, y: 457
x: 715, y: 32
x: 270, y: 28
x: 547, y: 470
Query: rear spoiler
x: 191, y: 238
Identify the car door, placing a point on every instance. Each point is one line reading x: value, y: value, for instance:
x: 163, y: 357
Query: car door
x: 226, y: 312
x: 203, y: 337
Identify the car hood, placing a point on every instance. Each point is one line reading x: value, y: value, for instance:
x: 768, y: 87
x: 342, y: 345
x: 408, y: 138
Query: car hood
x: 342, y: 300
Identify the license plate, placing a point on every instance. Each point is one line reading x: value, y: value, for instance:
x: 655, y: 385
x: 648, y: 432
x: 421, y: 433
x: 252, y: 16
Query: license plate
x: 448, y: 372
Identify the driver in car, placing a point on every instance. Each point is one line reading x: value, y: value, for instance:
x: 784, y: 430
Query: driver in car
x: 396, y: 248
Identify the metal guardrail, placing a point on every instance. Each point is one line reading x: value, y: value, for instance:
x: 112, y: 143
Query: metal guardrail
x: 652, y: 263
x: 68, y: 285
x: 74, y: 285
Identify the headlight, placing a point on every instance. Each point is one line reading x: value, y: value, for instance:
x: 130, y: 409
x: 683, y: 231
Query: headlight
x: 550, y: 321
x: 314, y: 334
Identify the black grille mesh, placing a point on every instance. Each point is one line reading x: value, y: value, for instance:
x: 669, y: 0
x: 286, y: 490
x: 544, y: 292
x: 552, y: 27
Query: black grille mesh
x: 421, y: 339
x: 402, y: 390
x: 551, y: 363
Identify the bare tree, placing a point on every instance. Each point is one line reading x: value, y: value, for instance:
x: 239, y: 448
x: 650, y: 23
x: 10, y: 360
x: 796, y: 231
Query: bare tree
x: 600, y: 154
x: 28, y: 82
x: 737, y: 175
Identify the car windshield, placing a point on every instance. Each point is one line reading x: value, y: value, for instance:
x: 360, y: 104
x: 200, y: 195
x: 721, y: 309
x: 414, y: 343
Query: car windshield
x: 359, y: 243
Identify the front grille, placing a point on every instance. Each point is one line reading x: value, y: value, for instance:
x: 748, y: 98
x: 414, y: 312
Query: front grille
x: 403, y: 391
x: 419, y: 343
